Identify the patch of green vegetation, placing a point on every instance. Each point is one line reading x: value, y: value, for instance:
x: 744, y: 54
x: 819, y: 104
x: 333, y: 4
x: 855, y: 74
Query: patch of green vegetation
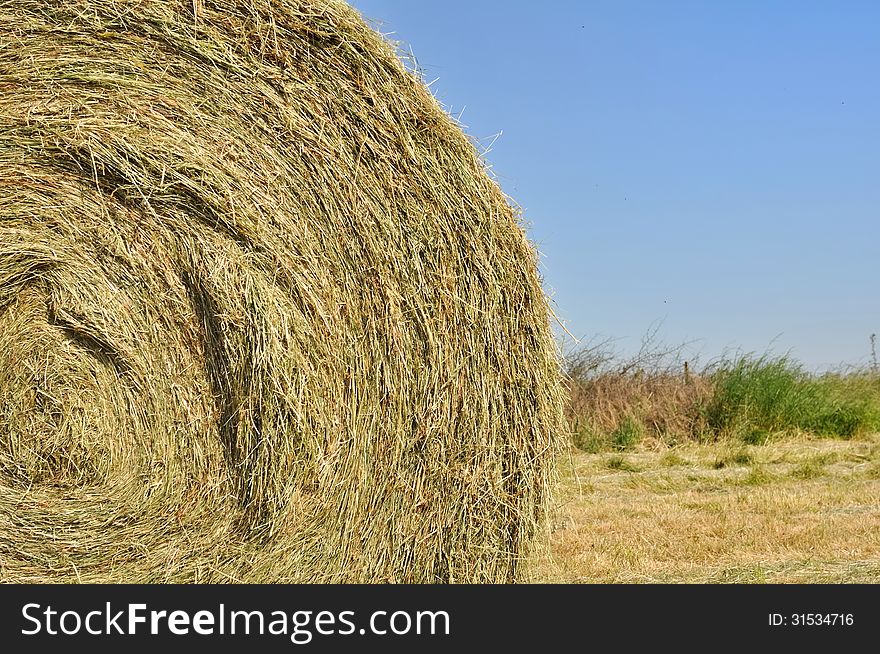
x: 853, y: 404
x: 628, y: 434
x: 672, y: 460
x: 757, y: 476
x: 755, y: 398
x: 621, y: 463
x: 809, y: 469
x: 740, y: 457
x: 590, y: 440
x: 756, y: 436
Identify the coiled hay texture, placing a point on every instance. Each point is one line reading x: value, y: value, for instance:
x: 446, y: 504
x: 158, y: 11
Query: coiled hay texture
x: 263, y: 314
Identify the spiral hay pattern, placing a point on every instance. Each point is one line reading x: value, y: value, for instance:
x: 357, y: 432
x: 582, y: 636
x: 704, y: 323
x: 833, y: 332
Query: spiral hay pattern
x: 263, y: 315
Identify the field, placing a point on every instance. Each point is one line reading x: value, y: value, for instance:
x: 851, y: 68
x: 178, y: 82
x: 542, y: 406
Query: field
x: 750, y: 471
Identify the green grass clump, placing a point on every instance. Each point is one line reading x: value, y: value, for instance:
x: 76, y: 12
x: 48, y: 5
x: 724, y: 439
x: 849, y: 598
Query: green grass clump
x: 757, y: 476
x: 628, y: 433
x: 755, y: 398
x: 739, y: 458
x: 808, y: 470
x: 590, y: 440
x: 852, y: 404
x: 618, y: 462
x: 672, y: 460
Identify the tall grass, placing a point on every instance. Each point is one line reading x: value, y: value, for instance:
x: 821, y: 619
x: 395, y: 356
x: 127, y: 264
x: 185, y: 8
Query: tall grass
x: 756, y: 397
x: 616, y: 403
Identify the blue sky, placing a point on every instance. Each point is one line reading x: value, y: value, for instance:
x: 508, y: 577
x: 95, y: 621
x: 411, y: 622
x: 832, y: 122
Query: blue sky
x: 711, y: 168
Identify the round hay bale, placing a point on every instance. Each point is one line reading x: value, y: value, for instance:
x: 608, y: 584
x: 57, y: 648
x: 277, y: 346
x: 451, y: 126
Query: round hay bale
x: 263, y: 314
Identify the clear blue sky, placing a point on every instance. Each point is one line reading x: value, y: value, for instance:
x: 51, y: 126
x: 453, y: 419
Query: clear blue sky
x: 711, y: 167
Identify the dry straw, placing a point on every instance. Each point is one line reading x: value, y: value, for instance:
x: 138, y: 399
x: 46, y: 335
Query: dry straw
x: 263, y: 314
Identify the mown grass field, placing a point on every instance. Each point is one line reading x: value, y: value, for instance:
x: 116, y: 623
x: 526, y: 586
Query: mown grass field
x: 797, y: 510
x: 752, y: 472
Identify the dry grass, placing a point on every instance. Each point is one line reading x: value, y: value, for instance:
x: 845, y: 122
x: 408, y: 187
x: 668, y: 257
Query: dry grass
x: 615, y: 403
x: 263, y: 314
x: 798, y: 510
x: 665, y: 405
x: 654, y: 393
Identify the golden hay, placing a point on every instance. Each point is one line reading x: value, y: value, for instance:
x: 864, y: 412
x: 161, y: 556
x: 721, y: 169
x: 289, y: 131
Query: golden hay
x: 263, y: 314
